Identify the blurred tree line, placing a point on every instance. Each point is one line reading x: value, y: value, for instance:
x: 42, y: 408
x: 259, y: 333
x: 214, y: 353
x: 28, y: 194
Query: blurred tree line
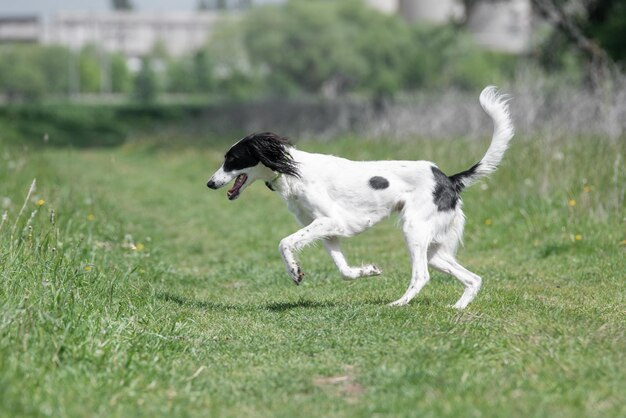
x: 29, y: 72
x: 303, y: 47
x: 339, y: 47
x: 594, y: 30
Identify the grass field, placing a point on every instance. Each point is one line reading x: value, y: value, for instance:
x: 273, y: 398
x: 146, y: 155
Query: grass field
x: 129, y: 289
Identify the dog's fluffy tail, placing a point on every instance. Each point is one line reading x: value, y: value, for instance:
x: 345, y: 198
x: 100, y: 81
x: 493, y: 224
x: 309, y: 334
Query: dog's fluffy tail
x: 496, y: 106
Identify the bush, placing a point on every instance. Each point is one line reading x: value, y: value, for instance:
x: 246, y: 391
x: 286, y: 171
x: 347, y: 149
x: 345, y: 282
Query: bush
x: 32, y: 72
x: 71, y: 125
x: 146, y: 82
x: 326, y: 45
x: 444, y: 56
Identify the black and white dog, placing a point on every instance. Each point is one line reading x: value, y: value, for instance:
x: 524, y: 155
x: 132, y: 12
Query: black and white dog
x: 334, y: 197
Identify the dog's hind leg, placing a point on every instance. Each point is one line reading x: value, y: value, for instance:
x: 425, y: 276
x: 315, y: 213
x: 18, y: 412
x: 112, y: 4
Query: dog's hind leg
x: 418, y: 239
x: 446, y: 263
x: 349, y: 273
x: 318, y: 229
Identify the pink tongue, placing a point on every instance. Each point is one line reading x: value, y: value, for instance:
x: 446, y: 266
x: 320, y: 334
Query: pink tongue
x: 239, y: 181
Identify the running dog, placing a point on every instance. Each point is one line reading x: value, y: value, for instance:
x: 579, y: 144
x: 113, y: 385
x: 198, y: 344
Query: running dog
x: 333, y: 197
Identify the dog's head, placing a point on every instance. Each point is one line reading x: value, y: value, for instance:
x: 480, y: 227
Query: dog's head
x: 257, y: 156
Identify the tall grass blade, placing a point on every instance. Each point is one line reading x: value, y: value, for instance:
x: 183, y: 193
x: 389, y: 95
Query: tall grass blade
x: 32, y: 188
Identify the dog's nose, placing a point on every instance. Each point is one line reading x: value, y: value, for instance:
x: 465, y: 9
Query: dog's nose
x: 211, y: 185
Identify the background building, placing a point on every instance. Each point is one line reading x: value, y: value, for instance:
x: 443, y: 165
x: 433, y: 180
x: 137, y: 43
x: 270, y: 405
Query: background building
x: 503, y: 25
x: 133, y: 34
x: 26, y: 28
x: 431, y: 11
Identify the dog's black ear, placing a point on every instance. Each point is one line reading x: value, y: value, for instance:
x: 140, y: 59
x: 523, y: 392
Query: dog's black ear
x: 272, y: 151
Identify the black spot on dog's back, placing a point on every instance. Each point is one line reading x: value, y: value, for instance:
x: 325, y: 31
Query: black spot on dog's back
x: 379, y: 183
x: 445, y: 194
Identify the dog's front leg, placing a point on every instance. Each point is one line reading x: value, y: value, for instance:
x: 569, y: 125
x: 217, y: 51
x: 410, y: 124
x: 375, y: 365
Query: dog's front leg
x: 348, y: 272
x: 318, y: 229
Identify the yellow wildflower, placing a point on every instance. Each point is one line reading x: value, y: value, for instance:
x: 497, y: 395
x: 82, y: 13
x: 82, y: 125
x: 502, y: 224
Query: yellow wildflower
x: 578, y: 237
x: 40, y: 202
x: 587, y: 189
x: 488, y: 221
x: 572, y: 202
x: 88, y: 268
x: 136, y: 247
x: 91, y: 217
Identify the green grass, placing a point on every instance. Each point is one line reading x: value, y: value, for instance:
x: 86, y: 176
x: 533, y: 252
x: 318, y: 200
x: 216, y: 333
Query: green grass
x: 149, y: 295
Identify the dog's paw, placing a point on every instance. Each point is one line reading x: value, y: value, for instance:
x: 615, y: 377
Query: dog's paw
x: 371, y: 270
x: 297, y: 275
x: 399, y: 302
x: 364, y: 271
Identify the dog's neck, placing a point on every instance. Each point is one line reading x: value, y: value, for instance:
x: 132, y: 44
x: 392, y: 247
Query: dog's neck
x: 284, y: 184
x: 272, y: 184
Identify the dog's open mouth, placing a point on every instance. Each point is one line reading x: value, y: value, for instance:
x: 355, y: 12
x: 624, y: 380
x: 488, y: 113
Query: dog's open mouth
x: 233, y: 193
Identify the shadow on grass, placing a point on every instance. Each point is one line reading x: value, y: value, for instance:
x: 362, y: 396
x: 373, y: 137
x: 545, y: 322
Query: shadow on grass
x: 272, y: 306
x: 279, y: 306
x: 201, y: 304
x: 301, y: 303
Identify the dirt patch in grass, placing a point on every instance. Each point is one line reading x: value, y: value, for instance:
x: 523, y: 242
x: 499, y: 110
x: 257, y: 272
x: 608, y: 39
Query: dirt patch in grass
x: 343, y: 385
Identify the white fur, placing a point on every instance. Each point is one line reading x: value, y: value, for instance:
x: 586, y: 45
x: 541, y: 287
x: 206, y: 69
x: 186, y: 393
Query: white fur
x: 495, y: 105
x: 332, y: 198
